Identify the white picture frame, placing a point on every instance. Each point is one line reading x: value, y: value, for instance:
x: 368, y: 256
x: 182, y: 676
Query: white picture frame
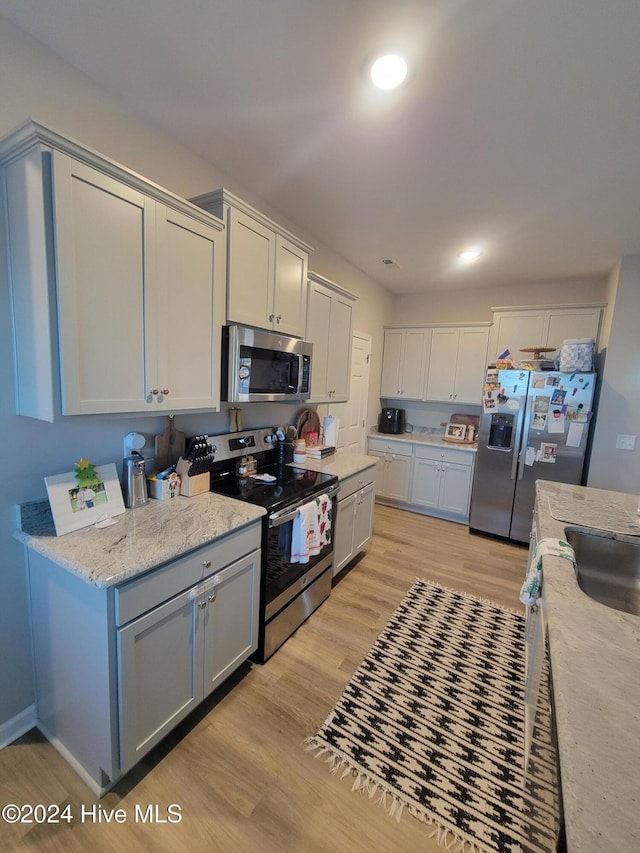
x: 72, y: 510
x: 455, y: 432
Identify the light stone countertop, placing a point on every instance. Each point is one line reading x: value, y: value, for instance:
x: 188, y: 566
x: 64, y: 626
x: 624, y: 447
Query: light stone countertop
x: 342, y: 464
x: 141, y: 539
x: 425, y: 438
x: 595, y: 665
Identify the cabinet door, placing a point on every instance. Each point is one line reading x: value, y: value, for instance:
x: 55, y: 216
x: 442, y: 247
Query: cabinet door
x: 105, y: 249
x: 514, y: 330
x: 339, y: 355
x: 318, y: 324
x: 455, y: 488
x: 563, y: 324
x: 230, y: 619
x: 425, y: 488
x: 412, y: 377
x: 251, y: 270
x: 470, y: 366
x: 442, y: 364
x: 290, y: 298
x: 190, y: 306
x: 397, y: 477
x: 391, y: 363
x: 159, y: 674
x: 344, y: 533
x: 363, y: 521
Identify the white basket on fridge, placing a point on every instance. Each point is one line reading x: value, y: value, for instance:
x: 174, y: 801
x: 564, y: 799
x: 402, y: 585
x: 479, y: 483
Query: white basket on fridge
x: 576, y: 355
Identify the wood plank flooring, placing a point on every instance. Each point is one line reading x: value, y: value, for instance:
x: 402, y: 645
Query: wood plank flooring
x: 237, y: 767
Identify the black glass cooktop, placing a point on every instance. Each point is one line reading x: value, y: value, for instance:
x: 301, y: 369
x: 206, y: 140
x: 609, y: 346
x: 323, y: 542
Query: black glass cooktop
x: 290, y: 486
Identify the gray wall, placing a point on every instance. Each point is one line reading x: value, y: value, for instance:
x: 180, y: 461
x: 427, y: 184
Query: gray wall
x: 619, y: 404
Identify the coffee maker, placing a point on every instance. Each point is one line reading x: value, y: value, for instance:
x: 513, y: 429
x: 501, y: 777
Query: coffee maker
x: 392, y: 421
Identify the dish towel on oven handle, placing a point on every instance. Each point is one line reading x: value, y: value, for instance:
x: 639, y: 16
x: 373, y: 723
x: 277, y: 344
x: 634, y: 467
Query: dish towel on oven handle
x: 311, y: 529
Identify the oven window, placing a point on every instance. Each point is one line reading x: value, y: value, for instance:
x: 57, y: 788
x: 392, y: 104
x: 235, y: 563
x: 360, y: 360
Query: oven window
x: 271, y: 372
x: 280, y: 571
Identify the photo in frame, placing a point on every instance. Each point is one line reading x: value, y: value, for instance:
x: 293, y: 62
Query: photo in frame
x: 75, y: 505
x: 456, y: 432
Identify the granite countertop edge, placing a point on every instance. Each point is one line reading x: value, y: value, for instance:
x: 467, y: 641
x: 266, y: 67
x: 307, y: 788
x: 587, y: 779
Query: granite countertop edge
x: 140, y: 540
x: 595, y: 672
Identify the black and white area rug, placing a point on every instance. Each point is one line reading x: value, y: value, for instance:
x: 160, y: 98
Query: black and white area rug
x: 433, y: 722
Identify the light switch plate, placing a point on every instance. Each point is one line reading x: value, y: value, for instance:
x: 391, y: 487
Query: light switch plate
x: 626, y: 442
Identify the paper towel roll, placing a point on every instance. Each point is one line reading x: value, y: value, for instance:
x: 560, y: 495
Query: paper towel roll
x: 330, y: 429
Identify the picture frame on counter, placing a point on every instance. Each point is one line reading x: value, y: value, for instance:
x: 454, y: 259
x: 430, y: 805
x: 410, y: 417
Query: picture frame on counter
x: 74, y: 507
x: 455, y: 432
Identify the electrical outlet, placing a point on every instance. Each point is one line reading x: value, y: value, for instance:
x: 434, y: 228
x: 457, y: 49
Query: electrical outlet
x: 626, y: 442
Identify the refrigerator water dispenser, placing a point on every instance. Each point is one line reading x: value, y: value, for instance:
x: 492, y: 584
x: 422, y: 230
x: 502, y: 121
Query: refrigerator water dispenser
x: 501, y: 432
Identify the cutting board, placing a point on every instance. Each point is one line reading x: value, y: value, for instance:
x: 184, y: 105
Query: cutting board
x: 308, y: 422
x: 169, y: 445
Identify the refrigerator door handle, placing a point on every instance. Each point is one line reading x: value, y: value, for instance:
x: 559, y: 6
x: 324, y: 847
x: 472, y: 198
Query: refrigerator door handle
x: 525, y: 441
x: 518, y: 438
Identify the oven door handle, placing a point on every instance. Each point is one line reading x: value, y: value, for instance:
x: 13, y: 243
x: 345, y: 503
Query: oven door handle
x: 289, y: 513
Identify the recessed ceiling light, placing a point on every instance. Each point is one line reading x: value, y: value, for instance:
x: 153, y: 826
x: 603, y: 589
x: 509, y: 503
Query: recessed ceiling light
x: 469, y: 255
x: 388, y: 71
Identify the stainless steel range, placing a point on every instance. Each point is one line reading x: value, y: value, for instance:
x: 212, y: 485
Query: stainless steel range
x: 290, y: 590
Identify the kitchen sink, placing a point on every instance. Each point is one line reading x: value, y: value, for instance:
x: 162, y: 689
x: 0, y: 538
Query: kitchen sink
x: 608, y: 570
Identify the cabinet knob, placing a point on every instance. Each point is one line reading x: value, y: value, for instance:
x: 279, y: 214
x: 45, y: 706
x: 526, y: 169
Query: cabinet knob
x: 154, y: 392
x: 165, y: 392
x: 272, y: 317
x: 202, y: 605
x: 206, y: 564
x: 278, y: 318
x: 212, y: 597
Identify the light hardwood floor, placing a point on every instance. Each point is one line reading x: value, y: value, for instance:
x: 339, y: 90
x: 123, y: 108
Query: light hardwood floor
x: 237, y: 767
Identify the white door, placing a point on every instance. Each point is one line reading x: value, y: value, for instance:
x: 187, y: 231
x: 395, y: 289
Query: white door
x: 352, y: 431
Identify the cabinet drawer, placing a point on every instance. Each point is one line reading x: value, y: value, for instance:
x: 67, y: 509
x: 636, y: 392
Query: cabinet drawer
x: 357, y: 481
x: 445, y: 454
x: 384, y: 445
x: 135, y: 597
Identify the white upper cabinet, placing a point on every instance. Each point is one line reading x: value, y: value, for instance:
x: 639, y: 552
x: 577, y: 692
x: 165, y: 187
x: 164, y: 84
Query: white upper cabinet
x: 329, y: 327
x: 117, y: 285
x: 266, y: 267
x: 404, y: 363
x: 456, y: 364
x: 543, y: 326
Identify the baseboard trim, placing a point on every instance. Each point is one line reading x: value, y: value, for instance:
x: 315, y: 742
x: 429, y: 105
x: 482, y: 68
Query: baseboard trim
x: 17, y: 726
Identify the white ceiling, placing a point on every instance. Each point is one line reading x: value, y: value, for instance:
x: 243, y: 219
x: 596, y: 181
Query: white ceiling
x: 519, y: 126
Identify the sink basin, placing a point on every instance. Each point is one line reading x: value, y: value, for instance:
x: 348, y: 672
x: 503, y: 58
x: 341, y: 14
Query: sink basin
x: 608, y: 570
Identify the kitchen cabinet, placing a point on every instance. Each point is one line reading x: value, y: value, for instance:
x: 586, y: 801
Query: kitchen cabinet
x: 456, y: 364
x: 266, y: 267
x: 404, y: 363
x: 329, y: 327
x: 354, y: 526
x: 545, y: 326
x: 138, y: 657
x: 172, y: 657
x: 534, y: 656
x: 393, y: 477
x: 441, y: 481
x: 117, y: 285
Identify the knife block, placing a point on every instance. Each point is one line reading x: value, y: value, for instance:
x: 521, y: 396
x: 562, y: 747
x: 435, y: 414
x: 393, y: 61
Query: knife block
x: 191, y: 486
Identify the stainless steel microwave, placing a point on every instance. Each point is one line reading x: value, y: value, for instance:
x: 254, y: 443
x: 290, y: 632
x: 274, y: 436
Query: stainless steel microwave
x: 259, y: 366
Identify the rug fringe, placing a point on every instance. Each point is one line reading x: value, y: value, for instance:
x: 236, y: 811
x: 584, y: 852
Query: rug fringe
x: 387, y: 799
x: 474, y: 598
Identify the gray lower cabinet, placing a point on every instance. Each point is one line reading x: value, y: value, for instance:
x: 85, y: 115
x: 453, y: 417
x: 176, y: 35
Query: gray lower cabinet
x: 171, y: 658
x: 117, y: 668
x: 354, y: 524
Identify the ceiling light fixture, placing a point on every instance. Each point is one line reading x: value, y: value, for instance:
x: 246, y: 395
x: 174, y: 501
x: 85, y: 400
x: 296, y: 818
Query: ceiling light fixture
x: 469, y: 255
x: 388, y: 71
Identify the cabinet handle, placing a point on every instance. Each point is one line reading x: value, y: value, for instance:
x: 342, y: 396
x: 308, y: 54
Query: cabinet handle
x: 212, y: 597
x: 202, y: 605
x: 278, y: 318
x: 206, y: 564
x: 154, y: 392
x: 165, y: 392
x: 272, y: 317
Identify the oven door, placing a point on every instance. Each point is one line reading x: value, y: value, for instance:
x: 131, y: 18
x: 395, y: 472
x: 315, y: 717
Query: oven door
x: 285, y: 579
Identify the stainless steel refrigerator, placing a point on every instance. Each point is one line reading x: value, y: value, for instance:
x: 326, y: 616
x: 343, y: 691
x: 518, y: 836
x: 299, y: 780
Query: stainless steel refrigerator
x: 534, y: 426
